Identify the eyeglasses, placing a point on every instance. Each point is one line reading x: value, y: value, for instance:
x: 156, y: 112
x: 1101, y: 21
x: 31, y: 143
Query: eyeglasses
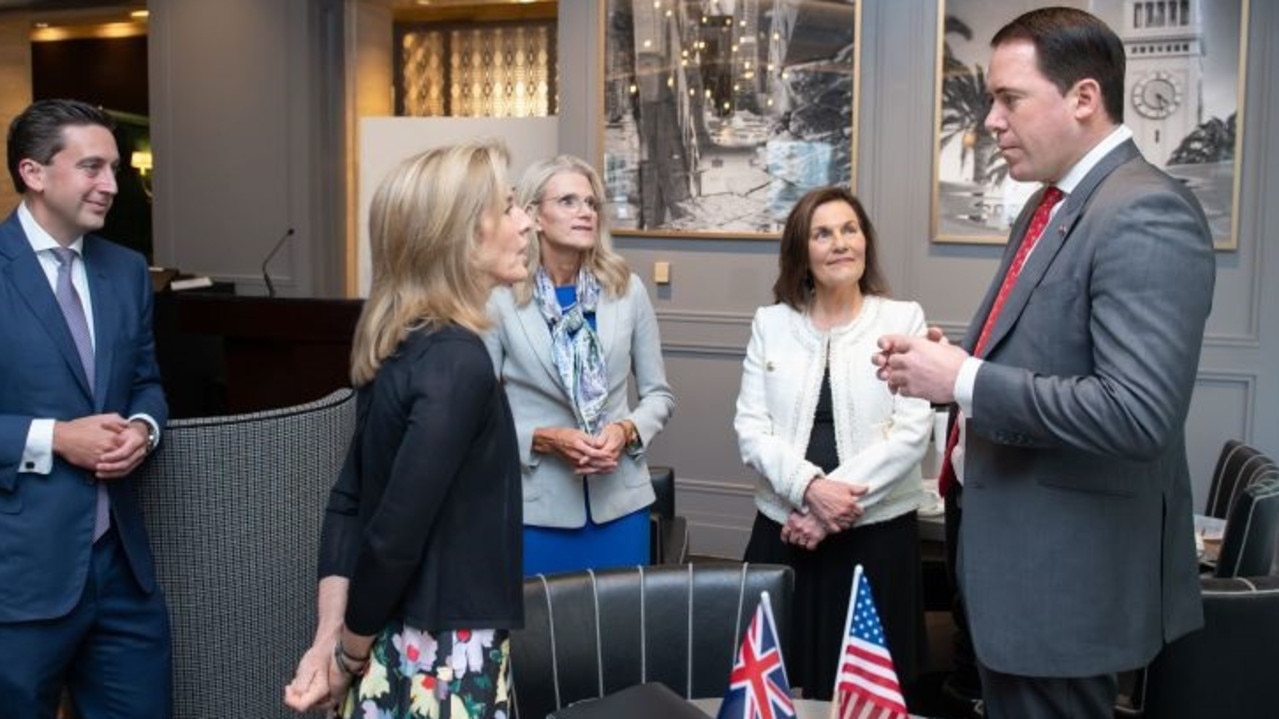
x: 573, y: 203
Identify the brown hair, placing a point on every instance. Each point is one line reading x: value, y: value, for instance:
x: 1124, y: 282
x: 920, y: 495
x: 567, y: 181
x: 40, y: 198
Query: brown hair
x: 794, y: 284
x: 36, y: 133
x: 1072, y: 45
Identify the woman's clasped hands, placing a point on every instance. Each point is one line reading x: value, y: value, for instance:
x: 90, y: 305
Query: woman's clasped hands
x: 586, y: 453
x: 832, y: 507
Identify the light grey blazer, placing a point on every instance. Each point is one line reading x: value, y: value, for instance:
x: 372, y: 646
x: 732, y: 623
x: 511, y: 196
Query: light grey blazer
x: 520, y: 345
x: 1077, y: 553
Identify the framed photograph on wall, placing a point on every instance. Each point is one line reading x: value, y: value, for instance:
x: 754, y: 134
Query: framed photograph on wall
x: 1183, y: 100
x: 717, y: 116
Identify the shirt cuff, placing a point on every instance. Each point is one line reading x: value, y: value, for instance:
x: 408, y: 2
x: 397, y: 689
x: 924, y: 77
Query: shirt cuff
x: 964, y: 383
x: 37, y: 455
x: 155, y: 428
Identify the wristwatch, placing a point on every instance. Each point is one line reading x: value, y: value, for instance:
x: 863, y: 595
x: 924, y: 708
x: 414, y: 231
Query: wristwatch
x: 152, y: 438
x: 631, y: 433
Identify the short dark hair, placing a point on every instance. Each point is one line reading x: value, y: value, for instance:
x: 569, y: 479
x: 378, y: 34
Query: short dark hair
x: 794, y: 284
x: 37, y: 132
x: 1071, y: 45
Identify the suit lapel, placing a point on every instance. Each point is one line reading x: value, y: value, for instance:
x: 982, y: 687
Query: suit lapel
x: 1050, y: 243
x: 606, y: 320
x: 538, y: 336
x: 28, y: 278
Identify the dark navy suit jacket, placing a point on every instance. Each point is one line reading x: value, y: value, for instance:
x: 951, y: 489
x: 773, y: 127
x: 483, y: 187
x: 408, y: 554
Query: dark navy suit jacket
x: 46, y: 521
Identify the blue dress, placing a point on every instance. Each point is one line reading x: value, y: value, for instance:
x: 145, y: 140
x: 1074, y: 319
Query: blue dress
x: 622, y: 542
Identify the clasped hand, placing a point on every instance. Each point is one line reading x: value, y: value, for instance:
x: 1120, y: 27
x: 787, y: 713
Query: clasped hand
x: 923, y: 367
x: 106, y: 444
x: 586, y: 453
x: 834, y: 504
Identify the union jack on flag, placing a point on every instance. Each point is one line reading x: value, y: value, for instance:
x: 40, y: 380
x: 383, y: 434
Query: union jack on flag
x: 757, y: 688
x: 866, y: 684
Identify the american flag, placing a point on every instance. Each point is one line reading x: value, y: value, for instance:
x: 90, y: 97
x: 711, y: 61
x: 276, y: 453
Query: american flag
x: 866, y: 685
x: 757, y: 688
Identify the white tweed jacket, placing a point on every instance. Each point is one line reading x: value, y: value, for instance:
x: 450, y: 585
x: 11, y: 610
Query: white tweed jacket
x: 880, y: 437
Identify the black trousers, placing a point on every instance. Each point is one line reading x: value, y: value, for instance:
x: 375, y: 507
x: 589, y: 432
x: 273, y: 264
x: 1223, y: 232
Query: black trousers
x: 965, y: 680
x: 1008, y: 696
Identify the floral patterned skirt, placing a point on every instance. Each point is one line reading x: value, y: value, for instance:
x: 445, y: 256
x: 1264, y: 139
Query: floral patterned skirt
x: 412, y: 674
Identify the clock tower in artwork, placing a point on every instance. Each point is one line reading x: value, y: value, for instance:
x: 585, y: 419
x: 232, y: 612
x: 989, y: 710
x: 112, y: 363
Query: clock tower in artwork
x: 1163, y: 84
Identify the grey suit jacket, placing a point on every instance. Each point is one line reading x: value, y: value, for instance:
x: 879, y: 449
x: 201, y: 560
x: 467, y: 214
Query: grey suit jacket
x: 1077, y: 551
x: 520, y: 345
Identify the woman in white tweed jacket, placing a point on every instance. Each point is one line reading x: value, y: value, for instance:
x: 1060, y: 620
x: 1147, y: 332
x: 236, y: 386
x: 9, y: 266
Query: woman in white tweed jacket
x: 837, y: 454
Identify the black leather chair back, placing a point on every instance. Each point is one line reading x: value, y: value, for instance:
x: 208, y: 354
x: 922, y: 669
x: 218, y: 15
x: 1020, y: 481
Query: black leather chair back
x: 664, y: 487
x: 1252, y: 529
x: 589, y: 634
x: 1237, y: 466
x: 1226, y: 669
x: 668, y: 532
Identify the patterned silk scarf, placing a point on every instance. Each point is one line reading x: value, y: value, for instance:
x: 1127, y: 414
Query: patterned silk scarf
x: 575, y: 346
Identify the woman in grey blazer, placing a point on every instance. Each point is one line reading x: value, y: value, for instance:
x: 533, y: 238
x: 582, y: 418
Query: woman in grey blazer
x: 565, y: 344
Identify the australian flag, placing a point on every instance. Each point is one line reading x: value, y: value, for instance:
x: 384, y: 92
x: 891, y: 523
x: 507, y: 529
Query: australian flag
x: 757, y: 688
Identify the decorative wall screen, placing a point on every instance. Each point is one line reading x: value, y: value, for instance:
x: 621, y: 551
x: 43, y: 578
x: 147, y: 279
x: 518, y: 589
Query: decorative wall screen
x: 502, y: 69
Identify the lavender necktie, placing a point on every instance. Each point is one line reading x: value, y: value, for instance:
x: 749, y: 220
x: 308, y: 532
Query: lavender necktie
x: 78, y: 324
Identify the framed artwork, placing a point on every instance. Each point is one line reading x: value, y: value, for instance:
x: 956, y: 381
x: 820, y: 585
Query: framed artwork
x: 1183, y: 95
x: 717, y: 116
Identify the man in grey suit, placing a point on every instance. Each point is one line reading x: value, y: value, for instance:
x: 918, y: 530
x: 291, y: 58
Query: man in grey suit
x: 1076, y: 549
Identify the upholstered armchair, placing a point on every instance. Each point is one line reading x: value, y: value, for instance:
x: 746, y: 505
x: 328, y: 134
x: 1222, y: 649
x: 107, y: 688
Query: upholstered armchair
x: 1237, y: 465
x: 589, y: 634
x: 668, y: 535
x: 1227, y: 668
x: 234, y: 506
x: 1252, y: 527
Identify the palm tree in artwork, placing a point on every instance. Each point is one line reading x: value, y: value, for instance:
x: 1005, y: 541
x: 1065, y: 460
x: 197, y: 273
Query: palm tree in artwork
x: 963, y: 111
x: 1213, y: 141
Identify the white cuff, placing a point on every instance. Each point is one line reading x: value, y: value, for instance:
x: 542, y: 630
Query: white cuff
x: 964, y: 382
x: 155, y: 428
x: 37, y: 455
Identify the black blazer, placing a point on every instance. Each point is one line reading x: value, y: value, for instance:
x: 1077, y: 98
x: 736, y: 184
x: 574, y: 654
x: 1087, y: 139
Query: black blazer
x: 425, y: 517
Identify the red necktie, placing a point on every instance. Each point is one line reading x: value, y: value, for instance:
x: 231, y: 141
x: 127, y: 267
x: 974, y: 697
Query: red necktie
x: 1038, y: 222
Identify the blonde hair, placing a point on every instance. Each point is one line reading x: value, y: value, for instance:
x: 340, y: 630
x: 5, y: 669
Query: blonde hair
x: 602, y: 260
x: 423, y: 230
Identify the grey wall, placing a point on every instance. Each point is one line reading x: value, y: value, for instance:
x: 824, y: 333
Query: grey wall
x: 716, y: 285
x: 246, y: 123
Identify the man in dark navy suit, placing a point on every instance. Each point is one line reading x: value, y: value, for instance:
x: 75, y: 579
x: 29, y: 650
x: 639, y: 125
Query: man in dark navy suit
x: 81, y: 407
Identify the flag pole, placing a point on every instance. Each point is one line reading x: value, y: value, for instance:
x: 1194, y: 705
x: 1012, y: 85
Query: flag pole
x: 848, y: 622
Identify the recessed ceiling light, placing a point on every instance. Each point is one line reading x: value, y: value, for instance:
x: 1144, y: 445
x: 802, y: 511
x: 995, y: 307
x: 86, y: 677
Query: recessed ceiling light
x: 139, y: 14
